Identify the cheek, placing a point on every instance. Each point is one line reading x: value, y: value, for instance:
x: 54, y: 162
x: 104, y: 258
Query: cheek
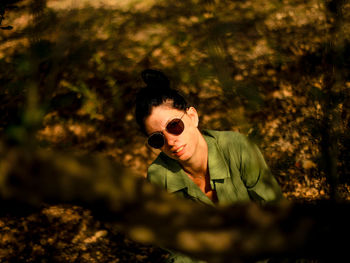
x: 165, y: 149
x: 191, y: 139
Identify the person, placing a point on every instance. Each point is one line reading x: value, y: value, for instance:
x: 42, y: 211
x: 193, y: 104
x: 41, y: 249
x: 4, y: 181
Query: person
x: 208, y: 166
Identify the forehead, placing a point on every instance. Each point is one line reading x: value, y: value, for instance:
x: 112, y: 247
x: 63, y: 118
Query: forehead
x: 159, y: 116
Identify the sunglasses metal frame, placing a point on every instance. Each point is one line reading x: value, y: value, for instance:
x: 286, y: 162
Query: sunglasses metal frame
x: 165, y: 129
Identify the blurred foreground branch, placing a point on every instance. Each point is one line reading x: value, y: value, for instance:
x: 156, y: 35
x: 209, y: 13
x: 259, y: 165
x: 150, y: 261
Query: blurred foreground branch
x: 243, y: 232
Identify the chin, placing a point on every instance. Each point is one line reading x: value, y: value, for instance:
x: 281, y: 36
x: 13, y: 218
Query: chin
x: 185, y: 157
x: 181, y: 158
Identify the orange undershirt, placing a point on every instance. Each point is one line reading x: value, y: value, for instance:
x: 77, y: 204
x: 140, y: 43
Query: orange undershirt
x: 204, y: 185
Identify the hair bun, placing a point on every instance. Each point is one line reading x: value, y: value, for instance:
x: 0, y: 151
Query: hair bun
x: 155, y: 79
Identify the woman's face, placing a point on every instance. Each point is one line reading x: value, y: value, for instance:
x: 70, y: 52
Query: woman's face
x: 179, y: 147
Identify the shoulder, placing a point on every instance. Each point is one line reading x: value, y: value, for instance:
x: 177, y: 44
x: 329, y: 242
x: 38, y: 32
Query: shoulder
x: 156, y: 173
x: 227, y: 139
x: 235, y: 146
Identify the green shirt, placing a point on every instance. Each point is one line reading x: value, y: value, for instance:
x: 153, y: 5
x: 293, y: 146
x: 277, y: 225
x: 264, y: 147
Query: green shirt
x: 237, y: 171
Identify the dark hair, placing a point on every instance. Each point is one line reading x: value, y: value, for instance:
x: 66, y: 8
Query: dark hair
x: 154, y: 94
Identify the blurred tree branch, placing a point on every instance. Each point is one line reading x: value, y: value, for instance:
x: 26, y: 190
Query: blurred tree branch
x: 243, y: 232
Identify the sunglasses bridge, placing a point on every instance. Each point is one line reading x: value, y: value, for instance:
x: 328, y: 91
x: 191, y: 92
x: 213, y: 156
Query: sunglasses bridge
x: 157, y: 139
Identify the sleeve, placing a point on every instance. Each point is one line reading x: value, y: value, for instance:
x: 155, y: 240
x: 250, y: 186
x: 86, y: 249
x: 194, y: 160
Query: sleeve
x: 156, y: 175
x: 262, y: 186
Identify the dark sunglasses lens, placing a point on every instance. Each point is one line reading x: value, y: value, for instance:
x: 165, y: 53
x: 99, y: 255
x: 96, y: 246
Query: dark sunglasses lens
x: 156, y: 140
x: 176, y: 126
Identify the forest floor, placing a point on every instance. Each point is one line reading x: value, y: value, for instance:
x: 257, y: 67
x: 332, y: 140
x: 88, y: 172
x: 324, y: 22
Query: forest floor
x: 70, y: 233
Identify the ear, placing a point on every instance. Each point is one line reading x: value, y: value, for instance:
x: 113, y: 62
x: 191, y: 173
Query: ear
x: 192, y: 113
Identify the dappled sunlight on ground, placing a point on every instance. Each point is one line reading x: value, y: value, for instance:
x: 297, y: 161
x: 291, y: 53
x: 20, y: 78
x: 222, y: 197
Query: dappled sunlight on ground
x: 124, y: 4
x: 85, y: 138
x: 74, y: 236
x: 249, y: 66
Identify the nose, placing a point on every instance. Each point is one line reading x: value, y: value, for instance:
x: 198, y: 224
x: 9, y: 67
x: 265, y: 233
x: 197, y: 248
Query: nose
x: 170, y: 139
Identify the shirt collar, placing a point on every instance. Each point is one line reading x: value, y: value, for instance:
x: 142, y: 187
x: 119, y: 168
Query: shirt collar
x: 177, y: 178
x: 218, y: 168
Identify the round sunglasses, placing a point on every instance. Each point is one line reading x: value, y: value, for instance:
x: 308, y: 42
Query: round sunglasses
x: 175, y: 126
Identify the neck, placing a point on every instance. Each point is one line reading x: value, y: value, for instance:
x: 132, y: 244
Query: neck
x: 198, y: 164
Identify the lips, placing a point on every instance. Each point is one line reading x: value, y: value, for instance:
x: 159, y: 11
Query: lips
x: 179, y: 151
